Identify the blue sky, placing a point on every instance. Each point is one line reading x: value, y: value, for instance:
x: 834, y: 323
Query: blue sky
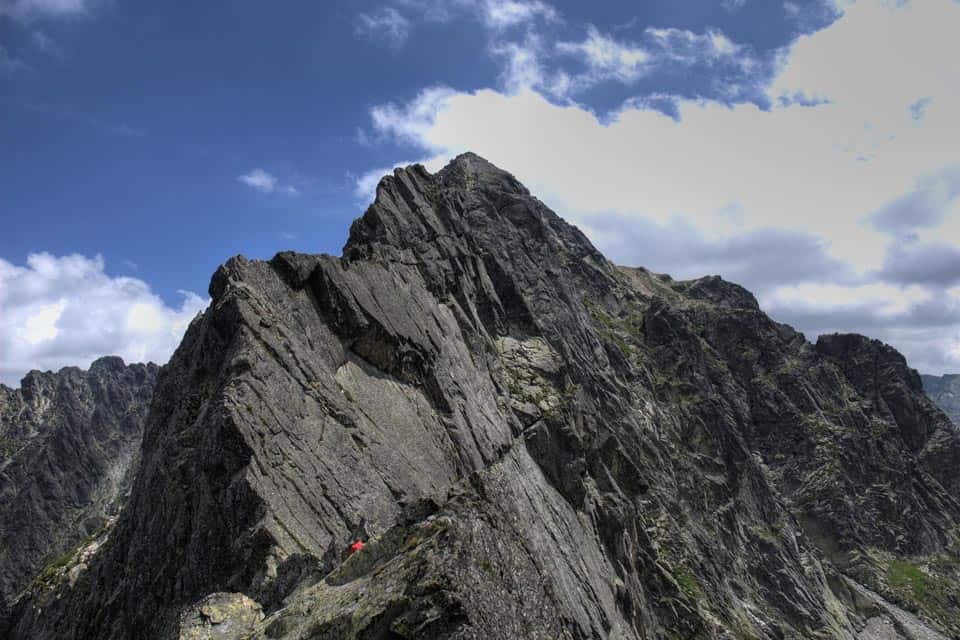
x: 785, y: 145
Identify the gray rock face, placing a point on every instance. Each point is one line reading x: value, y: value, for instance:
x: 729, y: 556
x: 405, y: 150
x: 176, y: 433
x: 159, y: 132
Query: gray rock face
x: 945, y: 391
x: 69, y: 442
x: 533, y: 442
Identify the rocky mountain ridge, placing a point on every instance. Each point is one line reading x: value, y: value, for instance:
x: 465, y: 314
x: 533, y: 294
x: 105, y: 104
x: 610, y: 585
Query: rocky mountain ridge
x: 534, y: 442
x: 945, y: 391
x: 69, y: 443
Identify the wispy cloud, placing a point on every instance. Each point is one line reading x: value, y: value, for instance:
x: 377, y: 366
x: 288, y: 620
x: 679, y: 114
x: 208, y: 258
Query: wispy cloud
x: 607, y: 57
x: 32, y: 9
x: 567, y: 68
x: 11, y: 64
x: 393, y: 21
x: 610, y: 59
x: 259, y: 180
x: 411, y: 122
x: 265, y: 182
x: 521, y: 66
x: 503, y: 14
x: 68, y: 114
x: 688, y: 47
x: 46, y: 45
x: 522, y: 38
x: 385, y: 25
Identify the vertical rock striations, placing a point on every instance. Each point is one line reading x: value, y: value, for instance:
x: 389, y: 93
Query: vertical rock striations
x: 535, y: 442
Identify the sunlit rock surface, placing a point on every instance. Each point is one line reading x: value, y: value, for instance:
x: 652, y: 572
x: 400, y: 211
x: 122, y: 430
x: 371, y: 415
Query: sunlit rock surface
x: 534, y: 442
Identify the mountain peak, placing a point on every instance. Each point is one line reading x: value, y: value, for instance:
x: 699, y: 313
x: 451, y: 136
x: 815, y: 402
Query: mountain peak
x: 468, y: 170
x: 528, y: 441
x: 469, y: 205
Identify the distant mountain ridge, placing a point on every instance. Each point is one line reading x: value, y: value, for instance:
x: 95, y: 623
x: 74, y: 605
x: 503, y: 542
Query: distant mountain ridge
x: 69, y: 443
x: 532, y: 442
x: 945, y: 391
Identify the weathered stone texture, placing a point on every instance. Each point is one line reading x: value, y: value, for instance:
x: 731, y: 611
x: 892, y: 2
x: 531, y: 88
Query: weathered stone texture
x: 69, y: 442
x: 539, y: 444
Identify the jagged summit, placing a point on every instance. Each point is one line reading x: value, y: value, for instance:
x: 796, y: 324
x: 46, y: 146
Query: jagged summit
x: 467, y: 171
x: 101, y: 364
x: 468, y: 200
x: 532, y: 443
x: 470, y: 171
x: 720, y: 292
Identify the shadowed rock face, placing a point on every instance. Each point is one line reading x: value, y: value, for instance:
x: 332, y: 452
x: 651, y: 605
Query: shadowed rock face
x: 69, y: 442
x: 537, y: 443
x: 945, y: 391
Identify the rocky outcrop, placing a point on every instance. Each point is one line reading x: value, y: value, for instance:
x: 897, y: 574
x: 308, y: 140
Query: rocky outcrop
x: 945, y: 391
x: 533, y: 442
x: 69, y: 442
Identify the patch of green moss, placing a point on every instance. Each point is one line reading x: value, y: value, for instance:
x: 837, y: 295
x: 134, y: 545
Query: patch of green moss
x: 929, y: 588
x: 611, y: 329
x: 904, y: 575
x: 49, y: 575
x: 768, y: 534
x: 49, y: 572
x: 791, y: 364
x: 688, y: 583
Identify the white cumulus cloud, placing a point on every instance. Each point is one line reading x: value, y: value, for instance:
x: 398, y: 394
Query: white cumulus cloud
x: 66, y: 310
